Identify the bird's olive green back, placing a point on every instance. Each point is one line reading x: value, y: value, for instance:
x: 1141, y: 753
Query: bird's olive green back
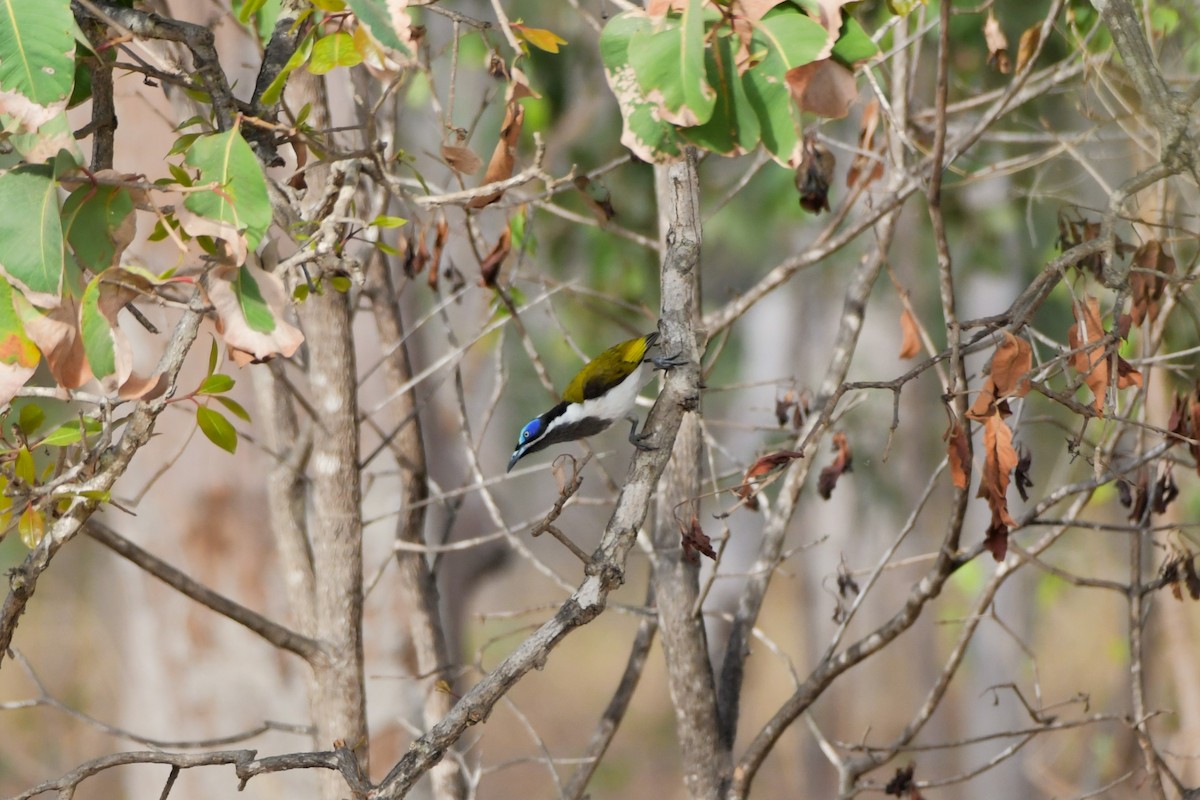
x: 607, y: 369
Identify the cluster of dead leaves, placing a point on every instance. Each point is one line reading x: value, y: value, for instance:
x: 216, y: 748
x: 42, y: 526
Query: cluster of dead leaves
x: 1093, y: 352
x: 1148, y: 275
x: 903, y: 783
x: 794, y: 406
x: 1179, y: 572
x: 842, y: 463
x: 1185, y: 422
x: 1008, y: 377
x: 997, y: 44
x: 814, y: 175
x: 1136, y: 497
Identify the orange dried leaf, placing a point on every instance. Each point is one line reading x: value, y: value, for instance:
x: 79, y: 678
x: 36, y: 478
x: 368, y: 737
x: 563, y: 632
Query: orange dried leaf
x: 866, y: 144
x: 1009, y: 376
x: 1091, y: 363
x: 1028, y: 45
x: 959, y: 454
x: 504, y: 157
x: 910, y: 344
x: 999, y: 460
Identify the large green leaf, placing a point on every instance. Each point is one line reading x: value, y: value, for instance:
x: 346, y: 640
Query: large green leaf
x: 97, y: 332
x: 733, y: 128
x: 378, y: 20
x: 218, y: 429
x: 31, y: 239
x: 854, y: 45
x: 335, y: 50
x: 242, y: 200
x: 94, y: 222
x: 37, y: 58
x: 785, y: 38
x: 649, y: 136
x: 668, y: 58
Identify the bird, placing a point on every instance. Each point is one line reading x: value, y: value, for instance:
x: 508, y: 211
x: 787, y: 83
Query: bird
x: 604, y: 391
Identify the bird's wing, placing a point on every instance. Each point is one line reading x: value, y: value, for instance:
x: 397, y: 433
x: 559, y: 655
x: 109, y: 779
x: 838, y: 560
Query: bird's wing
x: 615, y: 365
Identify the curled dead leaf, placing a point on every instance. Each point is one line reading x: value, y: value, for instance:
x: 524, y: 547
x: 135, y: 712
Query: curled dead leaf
x: 490, y: 267
x: 997, y: 44
x: 999, y: 460
x: 958, y: 453
x: 695, y: 540
x: 1148, y: 280
x: 842, y: 463
x: 867, y: 155
x: 504, y: 156
x: 1028, y: 45
x: 813, y: 176
x: 1089, y: 358
x: 1009, y: 376
x: 910, y: 338
x: 748, y: 489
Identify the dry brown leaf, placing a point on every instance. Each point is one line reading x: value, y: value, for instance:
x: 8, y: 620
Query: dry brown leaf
x: 910, y: 341
x: 997, y: 44
x: 695, y: 540
x: 441, y: 235
x: 842, y: 463
x: 866, y: 144
x: 999, y: 460
x: 490, y: 267
x: 1147, y: 280
x: 504, y: 157
x: 813, y: 176
x: 461, y: 159
x: 1092, y: 364
x: 518, y: 87
x: 825, y: 88
x: 1028, y: 45
x: 959, y: 454
x: 759, y: 469
x: 1009, y: 376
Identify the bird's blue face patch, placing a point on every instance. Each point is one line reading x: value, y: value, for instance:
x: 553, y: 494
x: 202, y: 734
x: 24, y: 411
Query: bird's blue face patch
x: 530, y: 432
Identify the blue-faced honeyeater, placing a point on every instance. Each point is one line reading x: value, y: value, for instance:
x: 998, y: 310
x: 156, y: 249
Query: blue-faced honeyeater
x: 603, y: 392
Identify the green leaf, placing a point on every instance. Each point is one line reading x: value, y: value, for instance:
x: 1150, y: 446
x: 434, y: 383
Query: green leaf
x: 31, y: 239
x: 242, y: 200
x: 274, y: 90
x: 669, y: 63
x: 23, y: 467
x: 340, y: 283
x: 96, y: 332
x: 180, y: 174
x: 331, y: 6
x: 375, y: 16
x: 254, y: 306
x: 854, y: 45
x: 215, y: 384
x: 183, y: 143
x: 645, y: 133
x: 388, y: 222
x: 212, y: 358
x: 218, y: 429
x: 733, y: 128
x: 32, y: 526
x: 71, y: 432
x: 102, y: 495
x: 249, y: 9
x: 37, y: 58
x: 234, y: 407
x: 787, y: 38
x: 92, y: 217
x: 335, y: 50
x: 30, y: 418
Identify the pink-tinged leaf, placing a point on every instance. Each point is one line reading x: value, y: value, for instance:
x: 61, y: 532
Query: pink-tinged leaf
x: 250, y: 342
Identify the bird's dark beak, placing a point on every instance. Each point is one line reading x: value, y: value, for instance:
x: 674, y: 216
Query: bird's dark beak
x: 516, y: 456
